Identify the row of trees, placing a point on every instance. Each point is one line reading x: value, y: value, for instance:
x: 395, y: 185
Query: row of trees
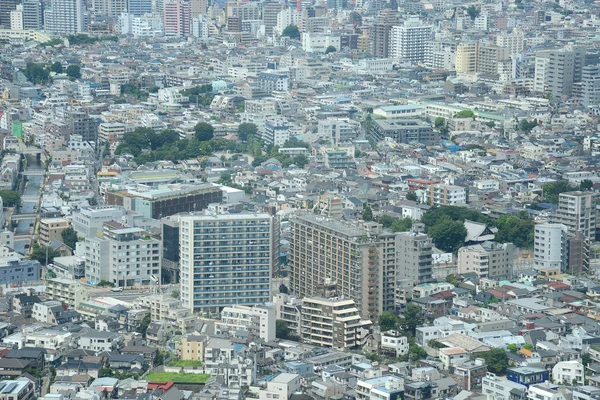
x: 551, y: 191
x: 10, y: 198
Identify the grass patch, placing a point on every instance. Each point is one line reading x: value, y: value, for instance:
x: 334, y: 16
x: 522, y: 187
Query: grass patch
x: 177, y: 377
x: 185, y: 363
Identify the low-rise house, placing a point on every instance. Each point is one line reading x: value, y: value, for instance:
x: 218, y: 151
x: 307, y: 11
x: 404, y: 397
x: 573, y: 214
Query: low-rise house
x: 98, y: 341
x: 568, y: 373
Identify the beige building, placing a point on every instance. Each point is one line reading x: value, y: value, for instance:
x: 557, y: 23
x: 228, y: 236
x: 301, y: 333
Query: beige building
x: 51, y: 229
x: 67, y: 291
x: 488, y: 260
x: 488, y: 58
x: 333, y: 323
x: 191, y: 347
x: 466, y: 58
x: 577, y: 210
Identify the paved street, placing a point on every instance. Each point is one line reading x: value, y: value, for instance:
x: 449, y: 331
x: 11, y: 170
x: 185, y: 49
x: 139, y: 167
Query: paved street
x: 30, y: 198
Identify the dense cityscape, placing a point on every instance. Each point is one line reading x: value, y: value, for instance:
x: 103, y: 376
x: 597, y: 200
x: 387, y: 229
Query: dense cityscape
x: 299, y: 200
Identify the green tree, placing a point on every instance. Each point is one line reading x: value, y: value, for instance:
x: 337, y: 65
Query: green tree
x: 586, y: 359
x: 412, y: 318
x: 516, y: 229
x: 439, y: 122
x: 448, y: 235
x: 204, y: 131
x: 36, y: 73
x: 386, y: 220
x: 283, y: 289
x: 56, y: 67
x: 367, y: 213
x: 451, y: 279
x: 412, y: 196
x: 402, y: 225
x: 175, y: 294
x: 330, y: 49
x: 512, y: 348
x: 246, y: 130
x: 300, y: 160
x: 43, y: 253
x: 528, y: 346
x: 465, y: 114
x: 10, y: 198
x: 387, y: 320
x: 586, y: 184
x: 291, y: 31
x: 74, y: 71
x: 490, y: 124
x: 552, y: 191
x: 143, y: 326
x: 527, y: 126
x: 496, y: 360
x: 473, y: 12
x: 69, y: 237
x: 282, y: 329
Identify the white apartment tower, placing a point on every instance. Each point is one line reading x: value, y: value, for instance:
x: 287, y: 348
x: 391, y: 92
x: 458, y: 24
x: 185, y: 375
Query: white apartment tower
x: 226, y: 260
x: 408, y: 42
x: 65, y: 16
x: 577, y: 210
x: 550, y: 246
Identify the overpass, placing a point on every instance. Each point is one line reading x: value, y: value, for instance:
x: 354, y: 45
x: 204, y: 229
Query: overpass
x: 20, y: 217
x: 36, y: 172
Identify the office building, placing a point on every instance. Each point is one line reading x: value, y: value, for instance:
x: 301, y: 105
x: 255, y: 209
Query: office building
x: 559, y: 73
x: 379, y: 34
x: 226, y: 260
x: 124, y: 256
x: 488, y: 260
x: 408, y: 42
x: 109, y: 8
x: 139, y: 8
x: 333, y: 323
x: 242, y: 10
x: 33, y: 14
x: 174, y: 199
x: 550, y: 249
x: 361, y: 259
x: 88, y: 221
x: 403, y: 131
x: 514, y: 42
x: 488, y: 58
x: 16, y: 270
x: 65, y: 16
x: 577, y: 210
x: 177, y: 18
x: 590, y: 90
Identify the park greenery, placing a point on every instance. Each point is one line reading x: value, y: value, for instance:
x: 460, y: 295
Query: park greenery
x: 175, y: 377
x: 464, y: 114
x: 292, y: 32
x: 496, y: 360
x: 185, y: 363
x: 43, y: 254
x: 199, y: 95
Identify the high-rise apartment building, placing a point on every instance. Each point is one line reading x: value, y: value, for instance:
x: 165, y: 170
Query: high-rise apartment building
x: 408, y: 42
x: 226, y: 259
x: 361, y: 259
x: 242, y: 10
x: 198, y: 7
x: 33, y: 14
x: 577, y: 210
x: 270, y: 9
x: 333, y: 323
x: 590, y: 90
x: 124, y: 256
x: 379, y: 35
x: 109, y: 8
x: 65, y: 16
x: 414, y: 254
x: 139, y: 8
x: 466, y: 58
x: 6, y: 6
x: 16, y: 18
x: 550, y: 246
x: 488, y: 58
x: 514, y: 42
x: 177, y: 18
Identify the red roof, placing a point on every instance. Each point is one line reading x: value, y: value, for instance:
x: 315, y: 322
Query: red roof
x: 160, y: 385
x: 559, y: 286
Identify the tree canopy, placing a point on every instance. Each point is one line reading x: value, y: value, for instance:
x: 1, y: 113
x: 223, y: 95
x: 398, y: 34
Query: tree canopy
x: 74, y: 71
x: 69, y: 237
x: 245, y: 130
x: 412, y: 196
x: 465, y: 114
x: 330, y: 49
x: 496, y: 360
x: 204, y: 131
x: 291, y: 31
x: 367, y: 213
x: 388, y: 320
x: 552, y: 191
x: 448, y: 235
x: 516, y: 229
x: 527, y: 126
x: 38, y: 253
x: 402, y: 225
x: 56, y: 67
x: 10, y: 198
x: 36, y: 73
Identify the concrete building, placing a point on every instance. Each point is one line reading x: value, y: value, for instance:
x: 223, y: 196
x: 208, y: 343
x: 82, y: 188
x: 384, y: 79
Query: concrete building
x: 488, y: 58
x: 360, y: 260
x: 577, y: 210
x: 174, y: 199
x: 15, y: 270
x: 177, y: 18
x: 415, y: 261
x: 88, y: 221
x: 65, y: 16
x: 488, y: 260
x: 257, y: 320
x: 16, y: 18
x: 67, y: 291
x: 333, y: 323
x: 441, y: 194
x: 386, y: 387
x: 408, y: 41
x: 590, y: 91
x: 545, y: 391
x: 51, y: 229
x: 402, y: 131
x: 550, y: 249
x: 191, y: 347
x: 32, y: 14
x: 495, y: 387
x: 394, y: 342
x: 282, y: 387
x: 22, y: 389
x: 109, y: 8
x: 466, y: 58
x: 568, y: 373
x: 125, y: 256
x: 139, y: 8
x: 235, y: 270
